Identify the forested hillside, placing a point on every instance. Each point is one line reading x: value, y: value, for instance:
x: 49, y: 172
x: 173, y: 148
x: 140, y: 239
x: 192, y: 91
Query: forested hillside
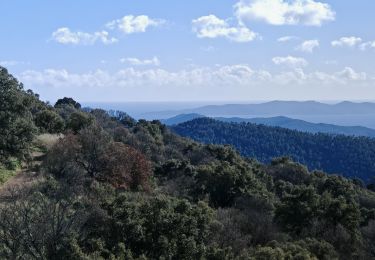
x: 349, y: 156
x: 304, y: 126
x: 284, y: 122
x: 111, y: 187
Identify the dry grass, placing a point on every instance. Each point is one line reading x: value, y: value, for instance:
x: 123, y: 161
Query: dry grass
x: 10, y: 177
x: 46, y: 141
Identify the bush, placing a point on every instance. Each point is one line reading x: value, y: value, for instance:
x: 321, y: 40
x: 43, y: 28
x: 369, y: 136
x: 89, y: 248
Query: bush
x: 49, y: 121
x: 157, y: 227
x: 6, y: 174
x: 78, y: 121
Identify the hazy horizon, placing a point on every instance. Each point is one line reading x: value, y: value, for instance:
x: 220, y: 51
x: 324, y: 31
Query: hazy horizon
x: 165, y: 110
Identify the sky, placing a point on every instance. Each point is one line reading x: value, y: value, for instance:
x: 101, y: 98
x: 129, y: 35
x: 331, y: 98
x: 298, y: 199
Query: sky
x: 196, y: 50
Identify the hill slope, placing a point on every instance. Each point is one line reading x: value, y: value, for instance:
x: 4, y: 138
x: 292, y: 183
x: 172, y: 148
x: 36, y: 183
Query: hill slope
x: 304, y: 126
x: 284, y: 122
x: 350, y: 156
x: 180, y: 119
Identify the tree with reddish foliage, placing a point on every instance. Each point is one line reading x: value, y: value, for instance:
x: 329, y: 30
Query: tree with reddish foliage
x: 125, y: 167
x: 94, y: 155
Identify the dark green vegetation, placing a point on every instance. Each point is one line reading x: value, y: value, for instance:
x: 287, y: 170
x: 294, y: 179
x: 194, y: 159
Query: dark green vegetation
x: 303, y: 126
x: 284, y: 122
x: 16, y: 107
x: 339, y: 154
x: 115, y: 188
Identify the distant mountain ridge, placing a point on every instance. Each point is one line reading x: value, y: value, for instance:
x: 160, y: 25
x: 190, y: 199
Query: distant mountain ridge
x: 284, y: 122
x: 289, y: 107
x: 344, y: 113
x: 181, y: 118
x: 277, y: 108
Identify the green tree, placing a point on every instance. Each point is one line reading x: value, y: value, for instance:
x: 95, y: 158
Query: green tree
x: 67, y: 102
x: 16, y: 125
x: 223, y: 182
x: 49, y: 121
x: 79, y: 120
x: 298, y: 210
x: 158, y: 227
x: 38, y: 226
x: 309, y: 249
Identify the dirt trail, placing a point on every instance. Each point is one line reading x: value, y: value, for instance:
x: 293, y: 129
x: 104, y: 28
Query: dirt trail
x: 25, y: 177
x: 21, y: 179
x: 29, y: 175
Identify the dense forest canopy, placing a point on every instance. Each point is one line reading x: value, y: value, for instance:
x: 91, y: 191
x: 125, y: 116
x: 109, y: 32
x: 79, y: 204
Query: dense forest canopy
x: 110, y: 187
x: 15, y: 118
x: 338, y: 154
x: 284, y: 122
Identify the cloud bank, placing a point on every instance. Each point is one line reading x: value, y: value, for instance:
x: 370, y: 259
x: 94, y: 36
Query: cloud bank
x: 223, y: 76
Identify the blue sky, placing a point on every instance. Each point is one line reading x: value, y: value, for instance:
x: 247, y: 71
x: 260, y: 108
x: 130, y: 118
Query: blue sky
x: 206, y: 50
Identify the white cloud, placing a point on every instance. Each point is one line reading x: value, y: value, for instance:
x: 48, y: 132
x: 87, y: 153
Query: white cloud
x: 65, y: 36
x: 349, y: 74
x: 290, y: 61
x: 282, y: 12
x: 138, y: 62
x: 287, y: 38
x: 128, y: 24
x: 318, y: 78
x: 346, y: 42
x: 367, y: 45
x: 134, y: 24
x: 308, y: 46
x: 346, y: 76
x: 296, y: 76
x: 213, y: 27
x: 352, y: 42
